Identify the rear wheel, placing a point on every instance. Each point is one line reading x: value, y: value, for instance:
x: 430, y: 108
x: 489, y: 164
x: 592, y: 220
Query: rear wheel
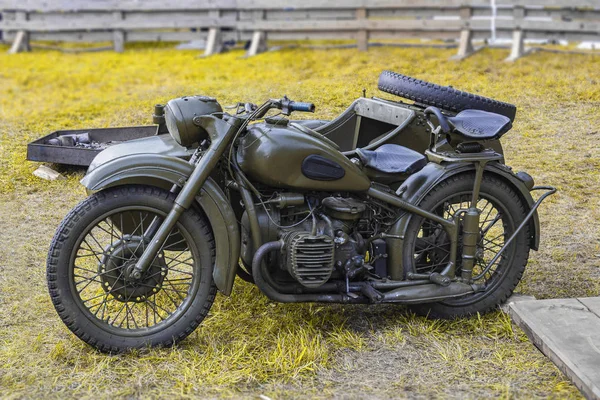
x: 87, y: 267
x: 427, y: 246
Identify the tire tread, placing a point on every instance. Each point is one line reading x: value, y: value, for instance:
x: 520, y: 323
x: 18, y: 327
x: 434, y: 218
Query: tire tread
x: 444, y: 97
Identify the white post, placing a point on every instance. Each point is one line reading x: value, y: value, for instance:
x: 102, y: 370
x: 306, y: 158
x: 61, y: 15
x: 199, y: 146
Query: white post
x: 518, y: 42
x: 362, y: 39
x: 21, y: 41
x: 465, y: 45
x: 518, y: 46
x: 214, y: 43
x: 257, y: 45
x: 118, y: 34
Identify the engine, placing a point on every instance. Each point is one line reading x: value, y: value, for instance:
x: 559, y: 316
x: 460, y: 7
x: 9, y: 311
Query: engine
x: 309, y: 258
x: 321, y: 237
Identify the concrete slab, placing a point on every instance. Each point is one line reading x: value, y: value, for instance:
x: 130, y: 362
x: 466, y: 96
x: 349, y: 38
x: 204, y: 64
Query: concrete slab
x: 514, y: 298
x: 568, y: 332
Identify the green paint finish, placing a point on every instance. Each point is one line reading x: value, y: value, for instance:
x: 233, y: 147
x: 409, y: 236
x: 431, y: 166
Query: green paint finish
x: 274, y: 156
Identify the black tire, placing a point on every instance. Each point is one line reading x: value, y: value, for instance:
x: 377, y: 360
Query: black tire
x: 426, y: 249
x: 443, y: 97
x: 178, y: 289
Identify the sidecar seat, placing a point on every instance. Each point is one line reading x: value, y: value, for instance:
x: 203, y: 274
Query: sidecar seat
x: 391, y: 162
x: 480, y: 125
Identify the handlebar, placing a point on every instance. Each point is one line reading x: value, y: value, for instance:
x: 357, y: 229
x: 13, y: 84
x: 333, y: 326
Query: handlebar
x: 287, y: 106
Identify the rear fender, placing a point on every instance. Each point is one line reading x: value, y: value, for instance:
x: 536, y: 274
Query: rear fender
x: 418, y: 185
x: 164, y: 172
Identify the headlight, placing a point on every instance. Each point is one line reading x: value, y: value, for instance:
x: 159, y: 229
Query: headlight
x: 180, y: 114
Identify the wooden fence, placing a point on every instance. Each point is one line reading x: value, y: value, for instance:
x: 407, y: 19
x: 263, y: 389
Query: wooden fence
x: 363, y: 21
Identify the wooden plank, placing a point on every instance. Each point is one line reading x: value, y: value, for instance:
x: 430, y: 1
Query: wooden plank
x: 438, y: 35
x: 553, y: 3
x: 94, y: 24
x: 568, y: 332
x: 162, y: 36
x: 295, y: 15
x: 371, y: 4
x: 367, y: 24
x: 130, y: 36
x: 549, y: 26
x: 79, y: 37
x: 417, y: 12
x: 312, y: 35
x: 110, y: 5
x: 124, y: 5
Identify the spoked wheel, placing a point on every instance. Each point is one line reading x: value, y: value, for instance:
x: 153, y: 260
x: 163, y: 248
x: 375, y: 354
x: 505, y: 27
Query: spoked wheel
x: 91, y: 255
x: 427, y: 245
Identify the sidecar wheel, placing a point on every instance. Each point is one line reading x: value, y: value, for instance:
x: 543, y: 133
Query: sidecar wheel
x: 89, y: 256
x: 427, y: 246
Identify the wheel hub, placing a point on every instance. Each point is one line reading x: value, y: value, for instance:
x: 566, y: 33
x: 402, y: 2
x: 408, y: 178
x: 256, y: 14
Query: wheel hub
x: 115, y: 271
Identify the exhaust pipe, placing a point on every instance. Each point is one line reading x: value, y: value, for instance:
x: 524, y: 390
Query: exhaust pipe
x: 428, y: 292
x: 410, y: 292
x: 259, y: 268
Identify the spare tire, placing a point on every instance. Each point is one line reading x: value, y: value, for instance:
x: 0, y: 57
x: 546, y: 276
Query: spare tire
x: 444, y: 97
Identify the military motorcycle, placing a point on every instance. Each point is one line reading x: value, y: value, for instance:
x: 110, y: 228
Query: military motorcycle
x: 388, y: 203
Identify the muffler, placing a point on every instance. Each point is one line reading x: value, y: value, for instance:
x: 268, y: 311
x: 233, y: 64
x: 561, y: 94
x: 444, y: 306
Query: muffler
x: 429, y: 292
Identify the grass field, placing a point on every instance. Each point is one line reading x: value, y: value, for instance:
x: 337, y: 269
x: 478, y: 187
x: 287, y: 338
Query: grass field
x: 248, y: 345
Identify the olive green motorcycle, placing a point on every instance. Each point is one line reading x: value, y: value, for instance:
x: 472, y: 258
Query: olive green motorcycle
x: 388, y: 203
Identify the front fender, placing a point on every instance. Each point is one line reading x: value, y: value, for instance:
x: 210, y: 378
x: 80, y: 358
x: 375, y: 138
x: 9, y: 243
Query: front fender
x: 418, y: 185
x: 164, y: 172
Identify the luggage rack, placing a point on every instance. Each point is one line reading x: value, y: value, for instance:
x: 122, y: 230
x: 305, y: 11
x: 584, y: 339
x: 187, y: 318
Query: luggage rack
x: 80, y: 146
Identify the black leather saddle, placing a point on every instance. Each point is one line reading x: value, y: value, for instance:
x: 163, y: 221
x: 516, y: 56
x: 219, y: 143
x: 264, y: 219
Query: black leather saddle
x: 480, y: 125
x: 392, y: 159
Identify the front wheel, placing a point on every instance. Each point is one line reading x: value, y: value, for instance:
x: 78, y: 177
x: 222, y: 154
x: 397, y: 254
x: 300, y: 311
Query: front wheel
x: 99, y: 240
x: 427, y: 246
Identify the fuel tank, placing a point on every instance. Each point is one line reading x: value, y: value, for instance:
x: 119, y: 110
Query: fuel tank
x: 283, y: 156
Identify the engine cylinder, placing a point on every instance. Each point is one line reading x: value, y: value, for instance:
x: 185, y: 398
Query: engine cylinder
x: 309, y: 259
x: 347, y: 209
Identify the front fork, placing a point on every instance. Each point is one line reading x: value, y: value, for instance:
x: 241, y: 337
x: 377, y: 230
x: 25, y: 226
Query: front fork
x: 220, y: 133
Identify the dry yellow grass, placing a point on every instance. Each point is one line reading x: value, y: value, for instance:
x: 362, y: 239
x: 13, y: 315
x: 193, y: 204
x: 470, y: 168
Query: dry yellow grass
x: 248, y: 345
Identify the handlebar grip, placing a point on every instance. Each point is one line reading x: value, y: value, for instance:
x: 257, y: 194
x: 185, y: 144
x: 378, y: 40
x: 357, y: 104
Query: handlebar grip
x: 300, y: 106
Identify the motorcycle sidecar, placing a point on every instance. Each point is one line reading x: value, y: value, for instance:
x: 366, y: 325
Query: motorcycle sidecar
x: 367, y: 123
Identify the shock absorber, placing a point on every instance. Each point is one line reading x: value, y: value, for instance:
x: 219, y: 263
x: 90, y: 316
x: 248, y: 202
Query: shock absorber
x: 470, y: 238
